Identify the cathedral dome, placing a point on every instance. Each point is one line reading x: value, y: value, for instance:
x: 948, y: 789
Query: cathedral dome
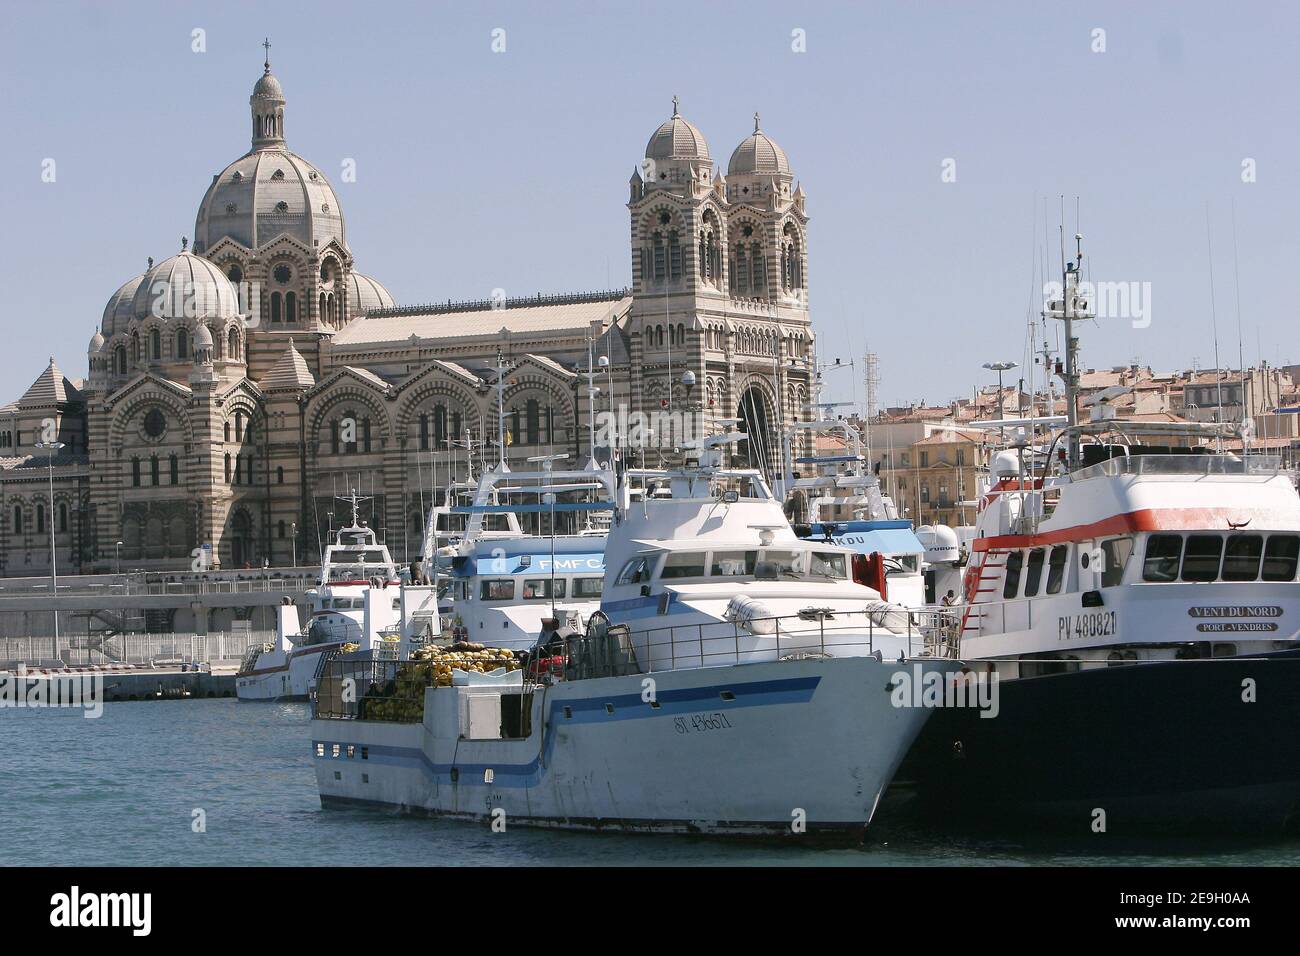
x: 185, y: 286
x: 269, y: 191
x: 365, y: 295
x: 265, y: 193
x: 119, y: 310
x: 678, y: 139
x: 758, y: 155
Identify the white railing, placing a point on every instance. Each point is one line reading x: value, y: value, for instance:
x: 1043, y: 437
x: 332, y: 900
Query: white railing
x: 132, y: 648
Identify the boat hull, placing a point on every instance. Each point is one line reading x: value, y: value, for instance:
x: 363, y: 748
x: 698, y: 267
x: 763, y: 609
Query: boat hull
x: 799, y: 747
x: 1159, y: 747
x: 287, y: 680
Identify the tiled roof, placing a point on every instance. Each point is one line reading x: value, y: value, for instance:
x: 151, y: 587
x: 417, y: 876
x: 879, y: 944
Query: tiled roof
x: 289, y: 371
x: 50, y: 388
x: 475, y: 320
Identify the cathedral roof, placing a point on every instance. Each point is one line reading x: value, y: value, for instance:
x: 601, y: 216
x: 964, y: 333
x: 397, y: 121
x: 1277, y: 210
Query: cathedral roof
x: 475, y: 320
x: 289, y: 371
x: 52, y: 387
x: 678, y: 139
x: 758, y: 155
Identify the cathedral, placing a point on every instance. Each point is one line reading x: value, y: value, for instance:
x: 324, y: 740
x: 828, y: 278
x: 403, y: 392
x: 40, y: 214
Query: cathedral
x: 237, y: 387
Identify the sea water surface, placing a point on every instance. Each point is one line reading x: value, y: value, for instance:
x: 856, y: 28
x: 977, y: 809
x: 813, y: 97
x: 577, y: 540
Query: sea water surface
x: 128, y: 787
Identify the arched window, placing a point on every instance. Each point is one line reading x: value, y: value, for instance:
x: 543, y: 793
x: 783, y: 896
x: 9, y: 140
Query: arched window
x: 279, y: 474
x: 239, y: 426
x: 119, y: 354
x: 18, y: 519
x: 439, y: 427
x: 365, y: 432
x: 153, y: 469
x: 275, y: 307
x: 334, y: 436
x: 232, y: 345
x: 291, y: 307
x: 324, y: 312
x: 227, y: 431
x: 135, y: 348
x: 63, y: 517
x: 227, y: 467
x: 135, y: 472
x: 533, y: 426
x: 174, y: 468
x: 424, y: 431
x: 515, y: 435
x: 279, y: 528
x: 249, y: 464
x: 40, y: 517
x: 155, y: 344
x: 182, y: 344
x: 660, y: 256
x: 674, y: 256
x: 455, y: 426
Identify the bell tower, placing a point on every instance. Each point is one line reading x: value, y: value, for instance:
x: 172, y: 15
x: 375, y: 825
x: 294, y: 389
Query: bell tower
x: 267, y: 104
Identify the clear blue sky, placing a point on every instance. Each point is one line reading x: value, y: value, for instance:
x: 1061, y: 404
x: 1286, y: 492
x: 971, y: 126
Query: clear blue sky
x: 478, y: 170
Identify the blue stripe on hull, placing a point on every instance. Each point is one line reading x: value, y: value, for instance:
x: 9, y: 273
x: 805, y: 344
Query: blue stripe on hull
x: 795, y: 690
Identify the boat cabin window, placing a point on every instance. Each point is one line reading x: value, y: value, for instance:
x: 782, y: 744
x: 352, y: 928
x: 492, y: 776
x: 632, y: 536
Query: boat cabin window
x: 1207, y: 557
x: 346, y: 604
x: 902, y: 564
x: 497, y: 590
x: 1241, y: 557
x: 1280, y: 556
x: 683, y: 564
x: 635, y: 571
x: 1115, y: 555
x: 1201, y: 557
x: 1012, y: 585
x: 1164, y: 551
x: 1034, y: 573
x: 786, y: 562
x: 537, y: 589
x: 1056, y: 565
x: 587, y: 587
x: 733, y: 563
x: 827, y: 564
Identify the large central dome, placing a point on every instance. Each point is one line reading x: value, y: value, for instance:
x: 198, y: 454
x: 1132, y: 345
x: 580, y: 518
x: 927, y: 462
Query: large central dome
x: 269, y: 191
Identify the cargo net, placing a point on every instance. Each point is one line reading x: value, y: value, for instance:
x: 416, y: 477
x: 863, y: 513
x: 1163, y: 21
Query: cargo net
x: 351, y: 686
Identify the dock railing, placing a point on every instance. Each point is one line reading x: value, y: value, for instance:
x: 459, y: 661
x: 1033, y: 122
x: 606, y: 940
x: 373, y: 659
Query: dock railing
x: 84, y: 650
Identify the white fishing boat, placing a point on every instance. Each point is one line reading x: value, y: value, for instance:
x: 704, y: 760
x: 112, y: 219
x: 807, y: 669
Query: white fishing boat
x: 1134, y: 592
x: 356, y: 570
x: 736, y: 681
x: 503, y: 582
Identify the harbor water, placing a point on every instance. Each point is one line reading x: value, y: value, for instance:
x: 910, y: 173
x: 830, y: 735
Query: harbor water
x: 224, y: 783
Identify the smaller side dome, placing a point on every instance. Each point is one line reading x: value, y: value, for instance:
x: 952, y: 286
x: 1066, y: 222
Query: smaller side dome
x: 183, y: 287
x: 202, y: 337
x: 678, y: 139
x: 758, y: 155
x: 96, y: 344
x: 119, y: 310
x: 365, y: 295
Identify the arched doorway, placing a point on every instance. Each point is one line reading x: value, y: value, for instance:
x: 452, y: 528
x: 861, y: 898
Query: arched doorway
x: 241, y: 539
x: 762, y: 449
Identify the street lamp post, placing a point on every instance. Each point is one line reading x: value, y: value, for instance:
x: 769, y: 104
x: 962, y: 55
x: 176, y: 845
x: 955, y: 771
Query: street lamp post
x: 53, y: 447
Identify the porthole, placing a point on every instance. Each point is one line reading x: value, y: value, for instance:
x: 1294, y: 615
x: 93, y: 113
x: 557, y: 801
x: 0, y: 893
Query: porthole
x: 282, y: 206
x: 283, y: 274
